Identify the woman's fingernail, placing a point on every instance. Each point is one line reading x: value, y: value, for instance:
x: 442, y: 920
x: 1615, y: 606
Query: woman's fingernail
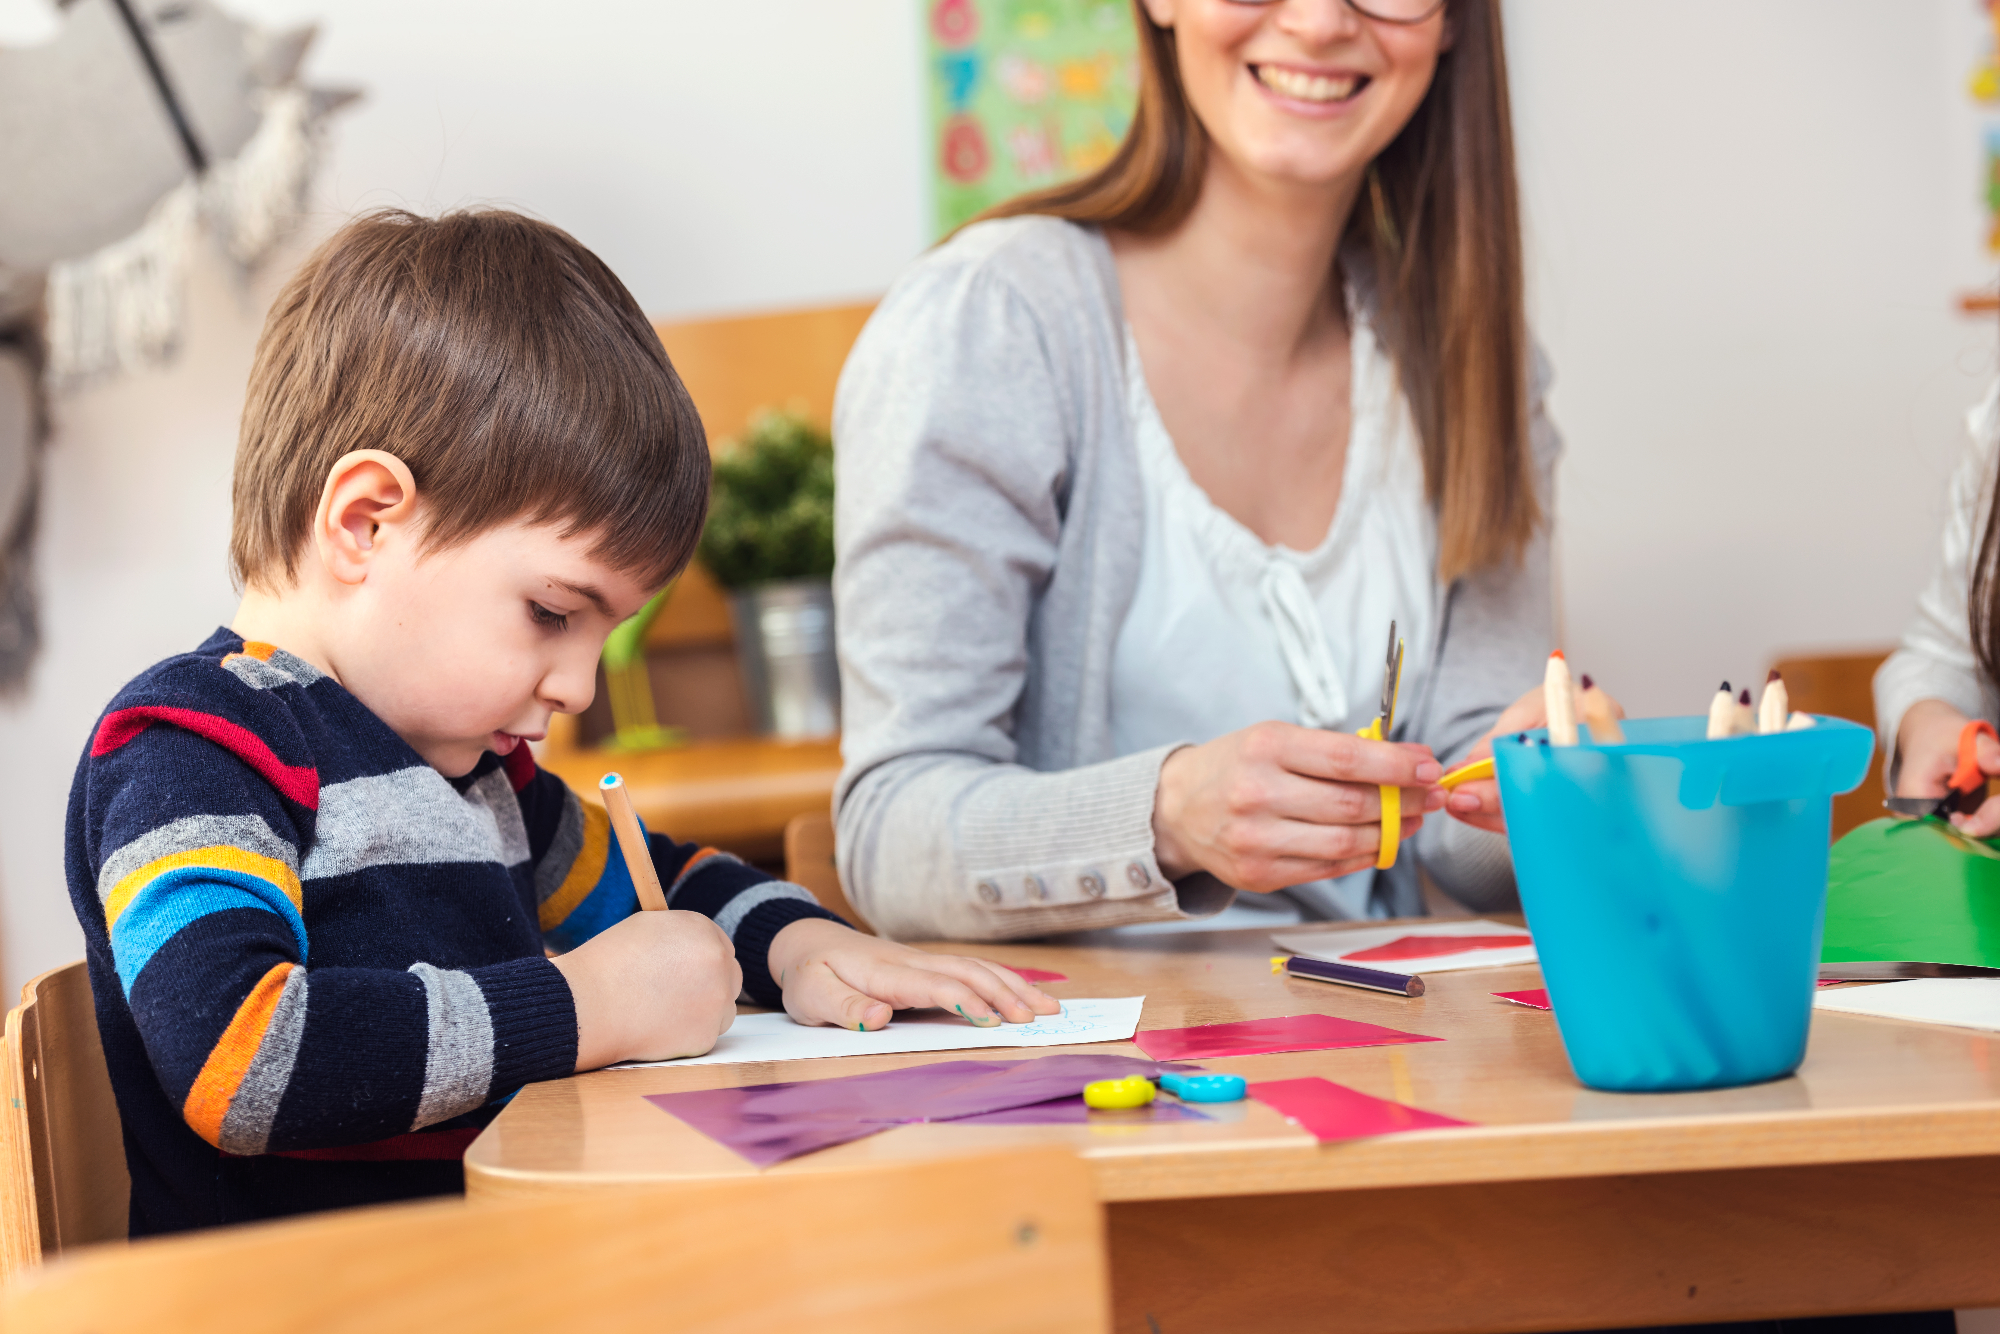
x: 1429, y: 771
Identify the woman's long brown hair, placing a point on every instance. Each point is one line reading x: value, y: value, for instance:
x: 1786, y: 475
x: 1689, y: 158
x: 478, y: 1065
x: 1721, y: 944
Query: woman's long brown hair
x: 1981, y: 615
x: 1440, y: 217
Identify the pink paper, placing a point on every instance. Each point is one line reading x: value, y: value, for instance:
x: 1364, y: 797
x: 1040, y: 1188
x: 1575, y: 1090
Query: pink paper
x: 1030, y: 974
x: 1431, y: 947
x: 1254, y: 1037
x: 1829, y: 982
x: 1538, y: 999
x: 768, y: 1123
x: 1333, y: 1111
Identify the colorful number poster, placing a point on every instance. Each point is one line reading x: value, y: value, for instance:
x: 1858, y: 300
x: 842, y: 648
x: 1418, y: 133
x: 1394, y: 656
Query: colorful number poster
x: 1024, y: 93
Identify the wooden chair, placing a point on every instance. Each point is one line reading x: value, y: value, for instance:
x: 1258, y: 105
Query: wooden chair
x: 1007, y: 1242
x: 809, y: 862
x: 1841, y: 685
x: 62, y: 1158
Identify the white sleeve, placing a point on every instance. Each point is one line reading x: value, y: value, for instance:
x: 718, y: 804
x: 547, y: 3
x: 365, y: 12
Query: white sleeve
x: 1936, y: 659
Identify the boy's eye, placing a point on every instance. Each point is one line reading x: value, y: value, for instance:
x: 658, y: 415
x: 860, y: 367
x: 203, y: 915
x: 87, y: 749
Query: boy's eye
x: 543, y: 616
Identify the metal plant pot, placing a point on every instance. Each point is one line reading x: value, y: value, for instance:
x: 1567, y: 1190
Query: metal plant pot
x: 784, y: 639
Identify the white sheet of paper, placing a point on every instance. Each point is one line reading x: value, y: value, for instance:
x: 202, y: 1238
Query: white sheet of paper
x: 1962, y: 1002
x: 1335, y: 946
x: 774, y: 1037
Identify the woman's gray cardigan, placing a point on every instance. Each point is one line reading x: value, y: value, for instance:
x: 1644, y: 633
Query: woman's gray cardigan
x: 988, y: 523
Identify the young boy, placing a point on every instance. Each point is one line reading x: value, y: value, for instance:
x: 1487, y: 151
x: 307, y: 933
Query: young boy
x: 315, y: 863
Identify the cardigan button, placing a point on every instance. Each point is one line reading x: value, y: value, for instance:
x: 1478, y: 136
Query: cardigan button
x: 1036, y: 889
x: 1137, y: 875
x: 1093, y: 884
x: 989, y: 891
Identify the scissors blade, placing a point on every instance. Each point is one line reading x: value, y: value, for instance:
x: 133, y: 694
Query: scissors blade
x: 1392, y: 689
x: 1390, y: 666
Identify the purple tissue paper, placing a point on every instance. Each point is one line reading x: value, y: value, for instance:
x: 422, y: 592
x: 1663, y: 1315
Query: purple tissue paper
x: 768, y: 1123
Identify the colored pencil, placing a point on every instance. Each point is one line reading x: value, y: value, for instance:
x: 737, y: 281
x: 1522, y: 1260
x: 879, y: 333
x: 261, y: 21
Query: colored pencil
x: 632, y: 842
x: 1721, y: 713
x: 1559, y: 699
x: 1353, y: 975
x: 1774, y: 710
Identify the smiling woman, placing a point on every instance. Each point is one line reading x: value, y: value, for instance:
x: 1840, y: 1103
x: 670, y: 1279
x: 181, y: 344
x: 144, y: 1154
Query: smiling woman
x: 1134, y: 472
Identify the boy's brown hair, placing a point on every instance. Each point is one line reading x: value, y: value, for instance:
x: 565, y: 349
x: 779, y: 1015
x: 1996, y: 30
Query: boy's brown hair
x: 502, y: 362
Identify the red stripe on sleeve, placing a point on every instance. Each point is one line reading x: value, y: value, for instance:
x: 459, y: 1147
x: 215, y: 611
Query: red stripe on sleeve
x: 300, y: 782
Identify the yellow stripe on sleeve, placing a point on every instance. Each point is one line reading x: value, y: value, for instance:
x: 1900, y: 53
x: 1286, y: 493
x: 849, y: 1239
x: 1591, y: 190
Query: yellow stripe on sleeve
x: 220, y: 858
x: 584, y: 872
x: 222, y: 1074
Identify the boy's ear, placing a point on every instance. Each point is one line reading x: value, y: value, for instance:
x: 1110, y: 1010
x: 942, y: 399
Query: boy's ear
x: 369, y: 495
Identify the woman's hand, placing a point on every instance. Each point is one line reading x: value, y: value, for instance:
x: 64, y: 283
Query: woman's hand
x: 1478, y: 804
x: 1927, y: 740
x: 832, y: 974
x: 1277, y: 805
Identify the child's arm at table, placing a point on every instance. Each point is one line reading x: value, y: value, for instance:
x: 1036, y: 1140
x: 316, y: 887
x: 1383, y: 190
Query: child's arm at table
x: 198, y: 898
x: 793, y: 952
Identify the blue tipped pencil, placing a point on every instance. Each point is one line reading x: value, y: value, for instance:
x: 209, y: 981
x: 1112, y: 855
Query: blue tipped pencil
x: 632, y: 842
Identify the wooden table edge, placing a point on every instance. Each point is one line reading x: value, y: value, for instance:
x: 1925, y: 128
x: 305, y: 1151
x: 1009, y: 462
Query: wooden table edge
x: 1546, y: 1151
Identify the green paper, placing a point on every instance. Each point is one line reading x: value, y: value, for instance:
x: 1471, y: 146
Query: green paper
x: 1912, y: 891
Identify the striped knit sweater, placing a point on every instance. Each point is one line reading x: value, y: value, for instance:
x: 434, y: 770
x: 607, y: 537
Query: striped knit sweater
x: 318, y: 964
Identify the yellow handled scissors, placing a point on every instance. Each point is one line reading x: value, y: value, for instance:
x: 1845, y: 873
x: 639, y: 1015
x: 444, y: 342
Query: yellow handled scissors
x: 1392, y: 797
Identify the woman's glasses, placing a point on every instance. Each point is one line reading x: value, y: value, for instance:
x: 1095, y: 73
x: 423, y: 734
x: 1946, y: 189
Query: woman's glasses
x: 1383, y: 11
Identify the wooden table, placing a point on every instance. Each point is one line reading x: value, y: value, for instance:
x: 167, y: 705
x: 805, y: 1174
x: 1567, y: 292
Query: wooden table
x: 1864, y: 1183
x: 736, y: 793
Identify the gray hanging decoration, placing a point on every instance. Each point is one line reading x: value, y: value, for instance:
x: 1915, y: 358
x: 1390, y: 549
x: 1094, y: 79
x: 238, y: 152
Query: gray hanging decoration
x: 143, y: 126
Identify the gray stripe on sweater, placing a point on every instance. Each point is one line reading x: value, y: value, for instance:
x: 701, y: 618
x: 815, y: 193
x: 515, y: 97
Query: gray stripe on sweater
x: 248, y: 832
x: 458, y: 1066
x: 414, y: 817
x: 246, y: 1126
x: 743, y: 904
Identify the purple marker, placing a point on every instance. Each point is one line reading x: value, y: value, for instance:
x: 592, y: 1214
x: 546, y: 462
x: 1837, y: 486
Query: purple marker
x: 1353, y: 975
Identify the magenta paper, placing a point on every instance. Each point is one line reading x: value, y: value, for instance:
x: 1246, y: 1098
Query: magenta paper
x: 768, y: 1123
x: 1254, y: 1037
x: 1537, y: 999
x: 1073, y: 1111
x: 1333, y: 1111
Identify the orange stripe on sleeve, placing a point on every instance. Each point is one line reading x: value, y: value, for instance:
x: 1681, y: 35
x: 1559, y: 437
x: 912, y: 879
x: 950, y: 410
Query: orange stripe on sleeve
x: 222, y: 1074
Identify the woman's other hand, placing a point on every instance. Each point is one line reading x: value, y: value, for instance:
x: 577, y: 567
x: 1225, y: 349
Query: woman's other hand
x: 1276, y: 805
x: 1478, y: 804
x: 1927, y: 741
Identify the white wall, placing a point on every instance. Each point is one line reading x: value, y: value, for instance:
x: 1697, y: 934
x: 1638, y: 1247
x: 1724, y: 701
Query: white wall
x: 1746, y: 223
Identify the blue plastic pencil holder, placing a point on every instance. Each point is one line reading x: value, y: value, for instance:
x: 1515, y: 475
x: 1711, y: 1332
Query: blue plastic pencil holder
x: 1676, y: 888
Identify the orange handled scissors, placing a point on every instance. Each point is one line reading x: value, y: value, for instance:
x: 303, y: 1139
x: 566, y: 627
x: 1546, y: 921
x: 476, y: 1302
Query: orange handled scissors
x: 1967, y: 788
x: 1392, y: 797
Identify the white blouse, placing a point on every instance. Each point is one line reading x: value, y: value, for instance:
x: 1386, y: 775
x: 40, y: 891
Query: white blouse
x: 1226, y: 630
x: 1936, y: 659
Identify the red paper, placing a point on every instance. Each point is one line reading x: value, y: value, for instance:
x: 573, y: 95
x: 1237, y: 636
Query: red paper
x: 1333, y: 1111
x: 1538, y: 999
x: 1829, y: 982
x: 1029, y: 974
x: 1254, y: 1037
x: 1430, y: 947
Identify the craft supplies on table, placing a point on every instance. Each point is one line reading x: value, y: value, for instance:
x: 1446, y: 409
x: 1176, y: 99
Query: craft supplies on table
x: 1333, y: 1111
x: 775, y: 1037
x: 768, y: 1123
x: 1430, y: 947
x: 1108, y: 1094
x: 1536, y: 998
x: 1203, y: 1088
x: 1675, y: 885
x: 1912, y: 891
x: 1256, y: 1037
x: 1349, y: 975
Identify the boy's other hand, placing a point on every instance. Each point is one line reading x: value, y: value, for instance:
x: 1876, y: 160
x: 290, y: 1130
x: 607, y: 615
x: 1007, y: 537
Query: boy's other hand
x: 1927, y: 746
x: 653, y: 987
x: 832, y: 974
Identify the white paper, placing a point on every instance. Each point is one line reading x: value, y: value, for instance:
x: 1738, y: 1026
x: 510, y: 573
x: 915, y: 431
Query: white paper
x: 1962, y: 1002
x: 774, y: 1037
x: 1335, y: 946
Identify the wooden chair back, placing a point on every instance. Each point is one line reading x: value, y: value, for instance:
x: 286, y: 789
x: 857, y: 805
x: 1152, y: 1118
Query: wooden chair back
x: 738, y: 364
x: 809, y: 862
x: 1841, y: 685
x: 62, y: 1163
x: 1013, y: 1241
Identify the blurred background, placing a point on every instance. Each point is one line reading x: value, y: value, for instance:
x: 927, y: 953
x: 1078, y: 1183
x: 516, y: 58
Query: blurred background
x: 1749, y: 232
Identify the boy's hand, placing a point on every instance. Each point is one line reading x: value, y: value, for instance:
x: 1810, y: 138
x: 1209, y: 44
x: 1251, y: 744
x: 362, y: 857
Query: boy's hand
x: 653, y: 987
x: 831, y: 974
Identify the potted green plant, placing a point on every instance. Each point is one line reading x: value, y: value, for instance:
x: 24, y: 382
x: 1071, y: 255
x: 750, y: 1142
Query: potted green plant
x: 769, y: 544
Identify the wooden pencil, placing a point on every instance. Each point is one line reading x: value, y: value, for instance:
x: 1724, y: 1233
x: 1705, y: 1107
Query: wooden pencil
x: 632, y: 842
x: 1774, y: 709
x: 1602, y: 715
x: 1721, y: 713
x: 1559, y: 699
